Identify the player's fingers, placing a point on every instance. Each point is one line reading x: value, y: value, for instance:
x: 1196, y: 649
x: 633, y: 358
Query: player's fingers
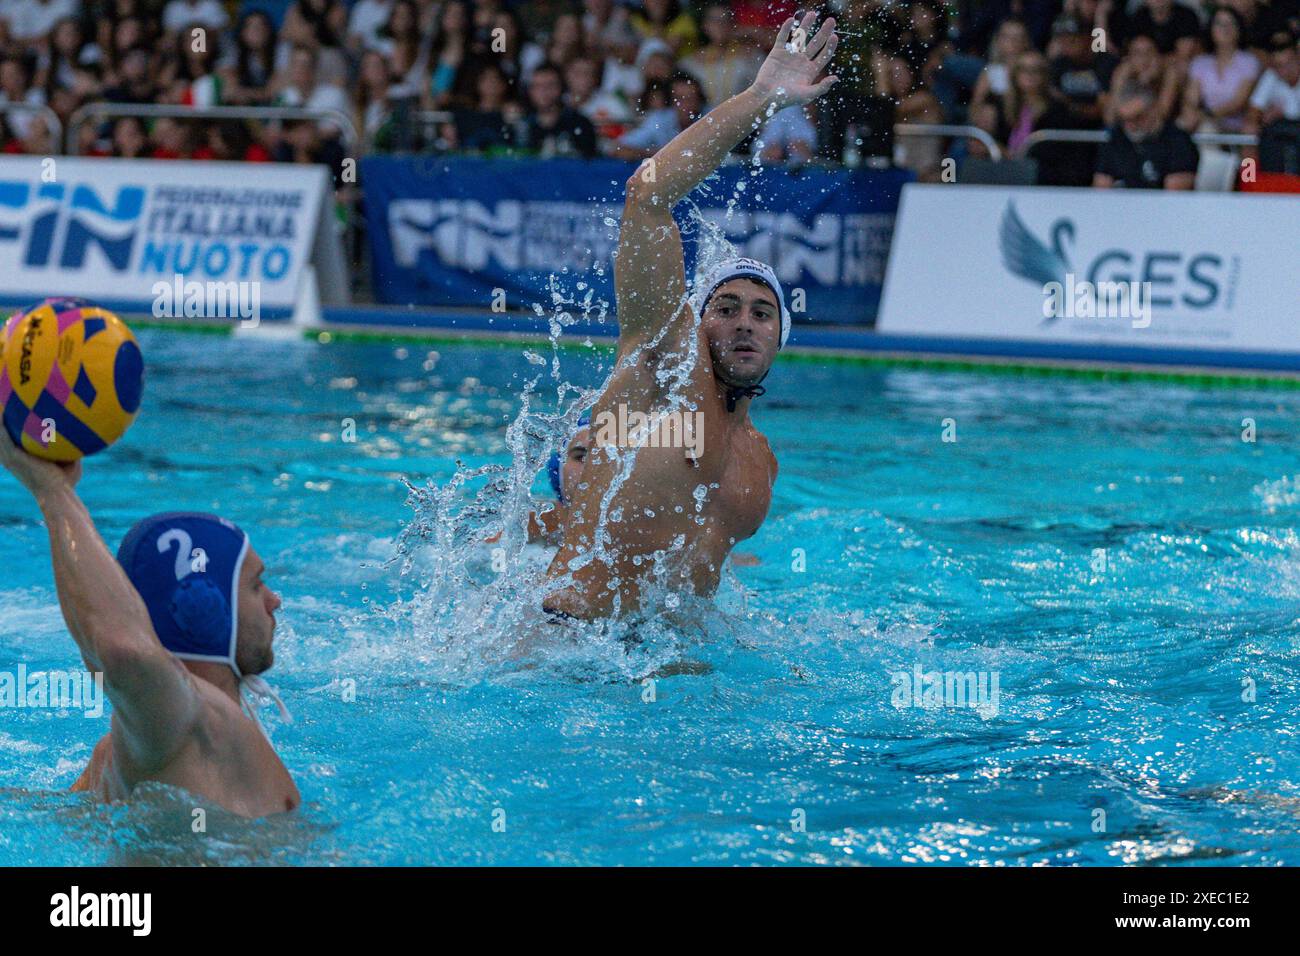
x: 804, y: 31
x: 783, y: 35
x: 828, y: 51
x: 823, y: 37
x: 825, y: 85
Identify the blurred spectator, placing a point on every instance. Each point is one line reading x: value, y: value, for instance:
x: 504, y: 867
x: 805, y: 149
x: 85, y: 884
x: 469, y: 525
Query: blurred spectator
x: 246, y: 81
x: 321, y: 26
x: 1174, y: 27
x: 608, y: 29
x: 1143, y: 152
x: 1030, y: 106
x: 666, y: 20
x: 662, y: 122
x: 372, y: 107
x: 1277, y: 95
x: 230, y: 141
x: 367, y: 19
x: 16, y: 87
x: 566, y: 41
x: 32, y: 21
x: 1142, y: 64
x: 188, y: 75
x: 130, y: 140
x: 449, y: 55
x: 302, y: 142
x: 518, y: 56
x: 404, y: 49
x: 788, y: 137
x: 551, y: 128
x: 1011, y: 40
x: 171, y: 139
x: 608, y: 113
x: 1220, y: 82
x: 726, y: 64
x: 132, y: 82
x: 1036, y: 15
x: 301, y: 87
x: 179, y: 15
x: 923, y: 38
x: 71, y: 64
x: 913, y: 103
x: 1079, y: 78
x: 488, y: 124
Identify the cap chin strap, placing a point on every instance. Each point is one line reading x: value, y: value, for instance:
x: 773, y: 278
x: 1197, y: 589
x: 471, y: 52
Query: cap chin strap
x: 736, y: 392
x: 255, y: 692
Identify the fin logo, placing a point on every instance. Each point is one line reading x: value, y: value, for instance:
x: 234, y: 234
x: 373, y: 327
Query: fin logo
x: 462, y: 233
x: 58, y: 225
x: 1197, y: 282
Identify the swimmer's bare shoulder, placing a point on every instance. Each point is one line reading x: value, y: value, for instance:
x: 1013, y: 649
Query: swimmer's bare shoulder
x: 223, y: 756
x: 168, y: 724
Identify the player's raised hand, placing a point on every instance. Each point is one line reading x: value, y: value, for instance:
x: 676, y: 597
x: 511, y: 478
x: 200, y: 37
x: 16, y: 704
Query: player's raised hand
x: 789, y: 74
x: 37, y: 475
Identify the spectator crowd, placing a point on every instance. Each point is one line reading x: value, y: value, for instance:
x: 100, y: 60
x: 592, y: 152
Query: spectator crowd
x: 607, y: 77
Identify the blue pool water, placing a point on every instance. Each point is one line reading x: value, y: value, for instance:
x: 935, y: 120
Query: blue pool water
x: 1114, y: 554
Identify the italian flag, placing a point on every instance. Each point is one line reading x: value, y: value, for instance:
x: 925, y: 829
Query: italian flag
x: 205, y: 91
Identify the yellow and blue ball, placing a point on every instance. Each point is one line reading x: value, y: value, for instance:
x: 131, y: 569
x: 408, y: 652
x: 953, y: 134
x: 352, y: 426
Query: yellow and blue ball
x: 71, y: 379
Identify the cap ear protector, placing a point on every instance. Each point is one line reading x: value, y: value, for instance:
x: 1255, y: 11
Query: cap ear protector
x: 200, y: 609
x: 553, y: 464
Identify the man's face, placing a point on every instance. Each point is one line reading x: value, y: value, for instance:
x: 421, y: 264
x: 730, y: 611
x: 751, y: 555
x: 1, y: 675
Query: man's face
x: 743, y: 326
x: 1286, y: 63
x: 574, y: 457
x: 687, y: 100
x: 1135, y: 115
x: 256, y: 618
x: 544, y: 89
x: 302, y: 71
x: 581, y: 77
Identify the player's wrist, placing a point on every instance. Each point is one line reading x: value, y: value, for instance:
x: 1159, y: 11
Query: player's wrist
x: 763, y: 97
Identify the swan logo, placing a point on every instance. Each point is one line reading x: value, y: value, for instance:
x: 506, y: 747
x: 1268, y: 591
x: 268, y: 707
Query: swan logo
x: 61, y: 223
x: 1136, y: 282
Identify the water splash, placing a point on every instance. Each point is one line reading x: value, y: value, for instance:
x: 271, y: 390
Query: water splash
x: 478, y: 586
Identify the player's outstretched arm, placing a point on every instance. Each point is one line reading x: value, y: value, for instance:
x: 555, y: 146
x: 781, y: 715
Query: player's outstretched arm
x: 648, y: 271
x: 154, y: 702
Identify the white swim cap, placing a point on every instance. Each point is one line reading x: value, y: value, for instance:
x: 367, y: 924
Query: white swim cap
x: 740, y: 268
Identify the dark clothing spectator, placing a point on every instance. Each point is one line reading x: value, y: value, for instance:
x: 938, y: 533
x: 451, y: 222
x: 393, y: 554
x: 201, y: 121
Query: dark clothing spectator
x: 1037, y: 16
x: 1063, y: 164
x: 1181, y: 22
x: 482, y: 130
x: 1145, y: 163
x: 570, y: 134
x: 1082, y: 83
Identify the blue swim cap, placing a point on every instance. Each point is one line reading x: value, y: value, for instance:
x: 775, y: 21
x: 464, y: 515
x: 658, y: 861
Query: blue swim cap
x: 553, y: 465
x: 186, y: 568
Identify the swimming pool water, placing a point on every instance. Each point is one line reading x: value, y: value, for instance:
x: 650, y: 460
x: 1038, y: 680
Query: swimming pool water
x: 1114, y: 553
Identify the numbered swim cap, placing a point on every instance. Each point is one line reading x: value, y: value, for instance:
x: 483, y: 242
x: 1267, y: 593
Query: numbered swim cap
x: 186, y: 567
